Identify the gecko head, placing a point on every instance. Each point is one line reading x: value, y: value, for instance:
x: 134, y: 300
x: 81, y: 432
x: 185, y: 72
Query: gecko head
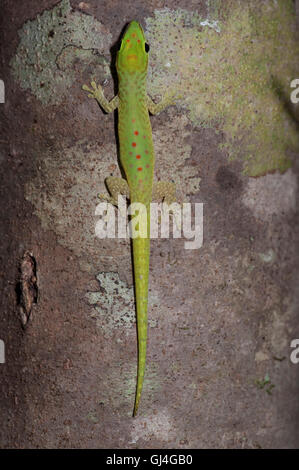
x: 132, y: 55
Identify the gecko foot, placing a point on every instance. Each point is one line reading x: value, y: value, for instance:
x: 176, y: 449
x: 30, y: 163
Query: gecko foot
x: 95, y: 91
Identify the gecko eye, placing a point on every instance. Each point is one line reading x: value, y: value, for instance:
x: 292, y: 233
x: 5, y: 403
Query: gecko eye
x: 146, y: 46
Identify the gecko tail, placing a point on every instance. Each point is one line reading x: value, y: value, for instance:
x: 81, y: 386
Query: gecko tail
x: 138, y: 390
x: 135, y: 409
x: 141, y: 270
x: 138, y: 393
x: 142, y: 336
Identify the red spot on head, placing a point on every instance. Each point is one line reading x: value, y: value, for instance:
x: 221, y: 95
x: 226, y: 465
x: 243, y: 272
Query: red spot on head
x: 134, y: 35
x: 134, y: 144
x: 136, y: 132
x: 128, y: 40
x: 138, y: 156
x: 131, y: 153
x: 139, y: 168
x: 133, y: 120
x: 138, y: 40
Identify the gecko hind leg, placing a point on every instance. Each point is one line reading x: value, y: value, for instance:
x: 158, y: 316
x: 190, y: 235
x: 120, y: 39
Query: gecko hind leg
x: 166, y: 191
x: 116, y: 187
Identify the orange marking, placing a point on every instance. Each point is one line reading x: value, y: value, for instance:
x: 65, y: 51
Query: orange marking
x: 136, y: 132
x: 139, y: 168
x: 138, y: 156
x: 134, y: 144
x: 132, y: 56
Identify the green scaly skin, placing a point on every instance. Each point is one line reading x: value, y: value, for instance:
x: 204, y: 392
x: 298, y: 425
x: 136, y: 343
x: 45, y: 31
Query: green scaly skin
x: 137, y: 159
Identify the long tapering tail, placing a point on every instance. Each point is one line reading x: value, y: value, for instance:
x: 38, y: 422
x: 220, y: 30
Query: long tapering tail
x: 141, y: 253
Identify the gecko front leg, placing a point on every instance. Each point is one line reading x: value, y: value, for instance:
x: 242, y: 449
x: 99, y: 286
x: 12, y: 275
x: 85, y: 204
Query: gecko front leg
x: 97, y: 93
x: 155, y: 108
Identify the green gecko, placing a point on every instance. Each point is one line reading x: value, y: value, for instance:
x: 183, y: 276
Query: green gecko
x: 137, y: 160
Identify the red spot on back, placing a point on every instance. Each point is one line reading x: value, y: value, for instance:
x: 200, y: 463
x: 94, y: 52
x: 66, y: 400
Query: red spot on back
x: 138, y: 40
x: 147, y: 165
x: 133, y: 120
x: 139, y: 168
x: 134, y: 144
x: 136, y: 132
x: 146, y: 151
x: 138, y: 156
x: 128, y: 40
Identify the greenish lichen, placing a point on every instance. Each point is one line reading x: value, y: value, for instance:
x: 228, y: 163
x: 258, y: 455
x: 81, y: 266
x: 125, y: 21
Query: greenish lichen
x: 215, y: 8
x: 170, y: 140
x: 64, y: 195
x: 51, y: 45
x: 113, y: 303
x: 235, y: 77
